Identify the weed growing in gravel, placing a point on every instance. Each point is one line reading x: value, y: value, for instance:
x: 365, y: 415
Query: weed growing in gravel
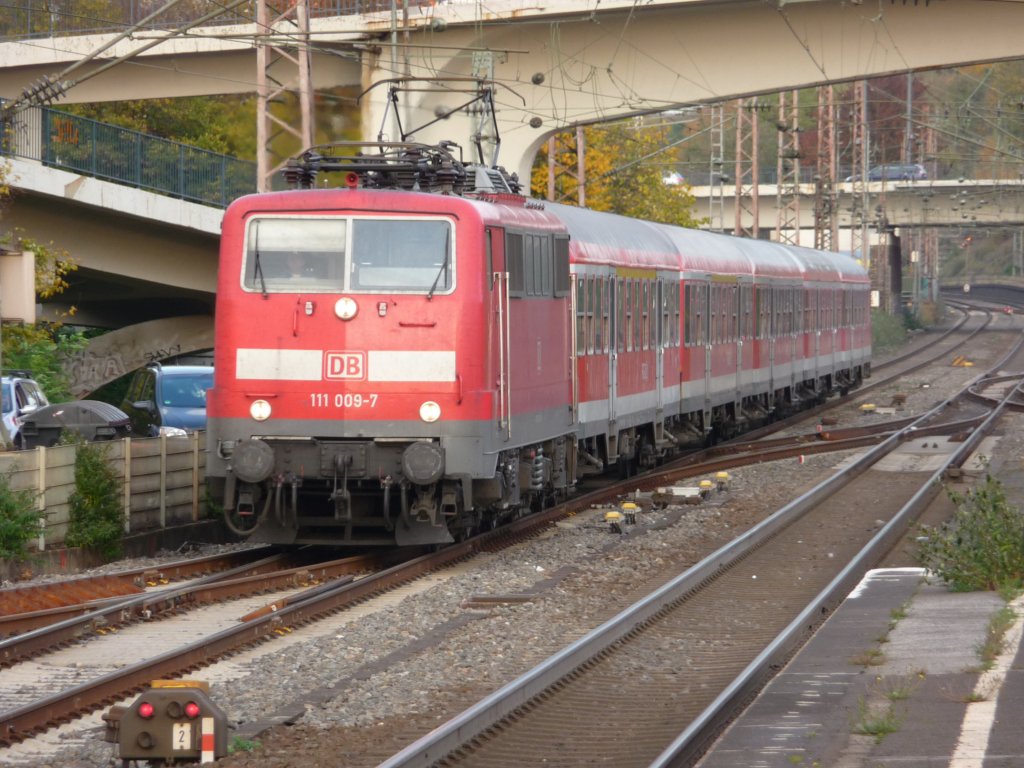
x: 878, y: 724
x: 238, y: 744
x: 898, y: 688
x: 981, y: 547
x: 995, y: 635
x: 872, y: 657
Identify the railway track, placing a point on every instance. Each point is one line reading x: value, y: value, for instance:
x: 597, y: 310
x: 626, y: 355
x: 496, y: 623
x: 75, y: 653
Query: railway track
x: 21, y: 723
x: 697, y: 648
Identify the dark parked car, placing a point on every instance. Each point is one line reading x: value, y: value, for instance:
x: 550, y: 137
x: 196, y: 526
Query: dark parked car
x: 168, y: 399
x: 895, y: 172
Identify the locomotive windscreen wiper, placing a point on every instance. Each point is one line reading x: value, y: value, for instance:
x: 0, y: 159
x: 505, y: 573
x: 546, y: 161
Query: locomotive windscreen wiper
x: 258, y: 266
x: 444, y: 264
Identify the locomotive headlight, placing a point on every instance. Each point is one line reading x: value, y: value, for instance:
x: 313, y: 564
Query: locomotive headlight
x: 346, y: 307
x: 430, y: 411
x: 260, y: 410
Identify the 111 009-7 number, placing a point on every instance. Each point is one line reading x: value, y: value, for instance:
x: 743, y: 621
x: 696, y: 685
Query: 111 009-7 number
x: 346, y: 400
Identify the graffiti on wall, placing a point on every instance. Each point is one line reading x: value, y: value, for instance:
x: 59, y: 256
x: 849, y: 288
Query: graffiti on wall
x: 119, y: 352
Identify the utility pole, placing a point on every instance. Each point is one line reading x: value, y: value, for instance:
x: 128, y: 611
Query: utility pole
x: 282, y: 48
x: 787, y: 226
x: 826, y: 224
x: 556, y: 168
x: 716, y: 202
x: 747, y: 169
x: 859, y: 192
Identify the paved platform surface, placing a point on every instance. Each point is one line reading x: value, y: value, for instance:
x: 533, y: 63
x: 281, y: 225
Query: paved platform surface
x: 900, y: 658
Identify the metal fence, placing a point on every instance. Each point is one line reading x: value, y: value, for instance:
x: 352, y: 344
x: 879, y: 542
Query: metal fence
x: 22, y: 19
x: 109, y: 152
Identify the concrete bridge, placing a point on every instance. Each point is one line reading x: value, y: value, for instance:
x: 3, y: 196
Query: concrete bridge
x: 934, y: 203
x: 549, y: 66
x: 552, y: 65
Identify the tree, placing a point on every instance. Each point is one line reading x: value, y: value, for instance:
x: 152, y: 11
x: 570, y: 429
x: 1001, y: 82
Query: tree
x: 621, y: 176
x: 224, y: 124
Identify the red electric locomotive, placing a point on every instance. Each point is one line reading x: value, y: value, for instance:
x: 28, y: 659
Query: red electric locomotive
x: 424, y: 352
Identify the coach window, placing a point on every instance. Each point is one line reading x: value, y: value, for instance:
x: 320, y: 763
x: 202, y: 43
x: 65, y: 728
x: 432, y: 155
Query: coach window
x: 591, y: 314
x: 627, y: 316
x: 688, y: 317
x: 717, y: 314
x: 675, y: 293
x: 700, y: 306
x: 646, y: 308
x: 586, y: 302
x: 619, y: 289
x: 636, y: 310
x: 664, y: 332
x: 581, y: 314
x: 637, y: 314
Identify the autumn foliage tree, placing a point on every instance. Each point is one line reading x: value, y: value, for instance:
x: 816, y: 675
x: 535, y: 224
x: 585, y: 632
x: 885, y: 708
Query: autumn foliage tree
x: 620, y: 173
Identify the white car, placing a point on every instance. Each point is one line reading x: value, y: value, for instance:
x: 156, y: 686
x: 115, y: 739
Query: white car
x: 22, y: 395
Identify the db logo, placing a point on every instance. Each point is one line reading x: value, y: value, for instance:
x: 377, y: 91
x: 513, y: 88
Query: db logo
x: 344, y: 365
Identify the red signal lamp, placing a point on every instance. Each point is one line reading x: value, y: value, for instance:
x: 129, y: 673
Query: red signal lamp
x: 192, y: 710
x: 146, y: 710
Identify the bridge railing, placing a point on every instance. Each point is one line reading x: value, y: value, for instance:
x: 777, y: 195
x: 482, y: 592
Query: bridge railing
x: 121, y: 155
x: 23, y: 19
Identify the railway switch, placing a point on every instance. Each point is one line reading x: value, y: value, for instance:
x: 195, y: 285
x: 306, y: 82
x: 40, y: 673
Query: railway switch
x: 175, y: 721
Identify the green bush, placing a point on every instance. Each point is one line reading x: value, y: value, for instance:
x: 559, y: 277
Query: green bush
x: 20, y: 521
x: 982, y: 546
x: 887, y: 331
x: 96, y: 514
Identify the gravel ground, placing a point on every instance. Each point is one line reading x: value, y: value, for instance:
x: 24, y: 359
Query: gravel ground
x: 406, y: 666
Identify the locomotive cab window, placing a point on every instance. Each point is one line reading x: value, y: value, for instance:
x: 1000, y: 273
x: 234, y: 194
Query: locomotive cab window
x: 290, y: 254
x: 329, y: 255
x: 393, y: 254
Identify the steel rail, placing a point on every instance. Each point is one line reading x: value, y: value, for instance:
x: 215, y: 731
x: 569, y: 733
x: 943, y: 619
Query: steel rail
x: 694, y: 738
x: 458, y: 731
x: 260, y: 576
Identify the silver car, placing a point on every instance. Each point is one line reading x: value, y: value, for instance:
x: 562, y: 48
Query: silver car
x: 22, y: 396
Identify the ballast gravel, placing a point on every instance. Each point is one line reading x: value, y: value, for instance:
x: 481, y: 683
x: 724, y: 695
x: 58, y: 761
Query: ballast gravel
x: 406, y: 665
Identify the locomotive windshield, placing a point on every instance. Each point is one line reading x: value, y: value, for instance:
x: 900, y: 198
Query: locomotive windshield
x: 329, y: 255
